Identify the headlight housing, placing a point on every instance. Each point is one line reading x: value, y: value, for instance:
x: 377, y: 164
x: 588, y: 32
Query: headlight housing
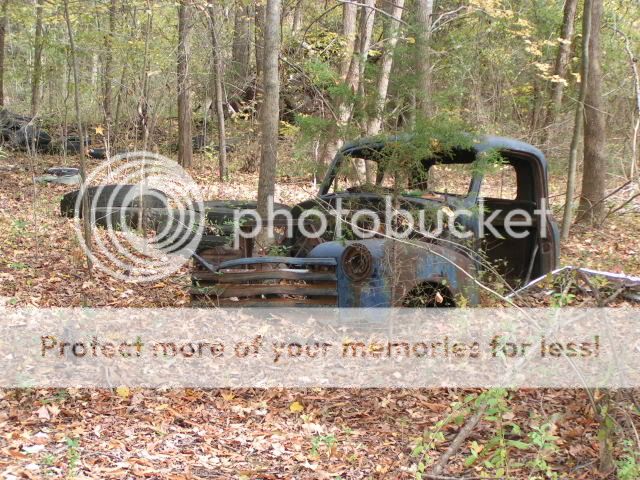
x: 357, y: 262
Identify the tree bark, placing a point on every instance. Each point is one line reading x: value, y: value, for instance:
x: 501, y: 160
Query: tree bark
x: 37, y: 61
x: 633, y: 63
x: 142, y: 119
x: 349, y: 17
x: 606, y: 433
x: 366, y: 29
x: 83, y: 170
x: 185, y: 146
x: 368, y: 15
x: 260, y: 39
x: 592, y: 208
x: 298, y: 14
x: 217, y: 82
x: 537, y: 111
x: 108, y: 63
x: 3, y: 30
x: 351, y: 78
x: 119, y: 95
x: 391, y: 33
x: 241, y: 46
x: 578, y: 122
x: 95, y: 60
x: 270, y: 112
x: 424, y: 10
x: 562, y: 62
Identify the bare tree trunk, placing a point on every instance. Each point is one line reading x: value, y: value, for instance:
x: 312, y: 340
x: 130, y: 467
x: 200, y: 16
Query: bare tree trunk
x: 3, y: 30
x: 142, y: 119
x: 537, y: 109
x: 592, y: 208
x: 185, y: 146
x: 391, y: 32
x: 606, y: 433
x: 351, y: 76
x: 635, y: 159
x: 298, y: 14
x: 349, y: 17
x: 270, y: 112
x: 260, y: 39
x: 562, y: 63
x: 219, y: 94
x: 37, y: 61
x: 366, y: 29
x: 121, y: 89
x: 108, y: 63
x: 86, y: 217
x: 94, y: 70
x: 424, y: 10
x: 241, y: 46
x: 633, y: 62
x: 578, y: 122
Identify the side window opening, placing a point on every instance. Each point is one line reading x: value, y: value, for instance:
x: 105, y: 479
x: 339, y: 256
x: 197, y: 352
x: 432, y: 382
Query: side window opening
x: 449, y: 178
x: 508, y: 188
x: 500, y: 183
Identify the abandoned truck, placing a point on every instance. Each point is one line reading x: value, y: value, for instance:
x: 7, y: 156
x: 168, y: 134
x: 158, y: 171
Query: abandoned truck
x: 382, y: 270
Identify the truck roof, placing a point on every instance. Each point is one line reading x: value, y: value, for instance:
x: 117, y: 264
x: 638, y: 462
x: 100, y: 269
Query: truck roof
x: 484, y: 143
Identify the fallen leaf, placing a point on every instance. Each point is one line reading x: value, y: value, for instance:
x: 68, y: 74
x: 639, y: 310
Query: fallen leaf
x: 43, y: 413
x: 277, y: 450
x: 509, y: 416
x: 33, y: 449
x: 228, y: 396
x: 296, y: 407
x: 123, y: 392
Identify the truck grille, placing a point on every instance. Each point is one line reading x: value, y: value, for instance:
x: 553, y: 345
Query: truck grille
x: 267, y: 282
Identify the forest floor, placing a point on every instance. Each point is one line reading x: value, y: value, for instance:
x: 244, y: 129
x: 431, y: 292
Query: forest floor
x: 276, y: 433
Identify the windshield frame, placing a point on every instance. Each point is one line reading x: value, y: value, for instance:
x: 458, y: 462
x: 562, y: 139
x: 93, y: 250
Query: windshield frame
x: 370, y: 151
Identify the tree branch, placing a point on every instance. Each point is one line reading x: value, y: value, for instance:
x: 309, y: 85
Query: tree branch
x: 373, y: 8
x: 462, y: 435
x: 453, y: 14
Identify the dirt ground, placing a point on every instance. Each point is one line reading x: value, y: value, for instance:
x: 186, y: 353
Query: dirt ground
x: 180, y: 434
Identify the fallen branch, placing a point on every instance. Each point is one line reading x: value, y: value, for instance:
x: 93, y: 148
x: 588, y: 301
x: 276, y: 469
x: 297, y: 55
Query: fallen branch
x: 462, y: 435
x: 445, y: 477
x: 629, y: 281
x: 594, y: 290
x: 614, y: 295
x: 620, y: 207
x: 606, y: 197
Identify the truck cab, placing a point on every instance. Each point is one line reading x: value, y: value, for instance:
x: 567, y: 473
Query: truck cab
x: 419, y: 268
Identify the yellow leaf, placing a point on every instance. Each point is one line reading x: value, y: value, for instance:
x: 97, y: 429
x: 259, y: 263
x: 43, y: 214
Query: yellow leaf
x: 411, y: 40
x: 99, y: 130
x: 296, y: 407
x: 228, y: 396
x: 123, y: 392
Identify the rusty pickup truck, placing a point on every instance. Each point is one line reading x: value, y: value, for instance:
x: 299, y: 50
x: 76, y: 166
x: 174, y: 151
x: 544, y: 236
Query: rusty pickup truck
x: 382, y: 270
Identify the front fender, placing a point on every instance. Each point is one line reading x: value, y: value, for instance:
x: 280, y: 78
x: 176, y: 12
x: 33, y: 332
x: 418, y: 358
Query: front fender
x: 398, y: 267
